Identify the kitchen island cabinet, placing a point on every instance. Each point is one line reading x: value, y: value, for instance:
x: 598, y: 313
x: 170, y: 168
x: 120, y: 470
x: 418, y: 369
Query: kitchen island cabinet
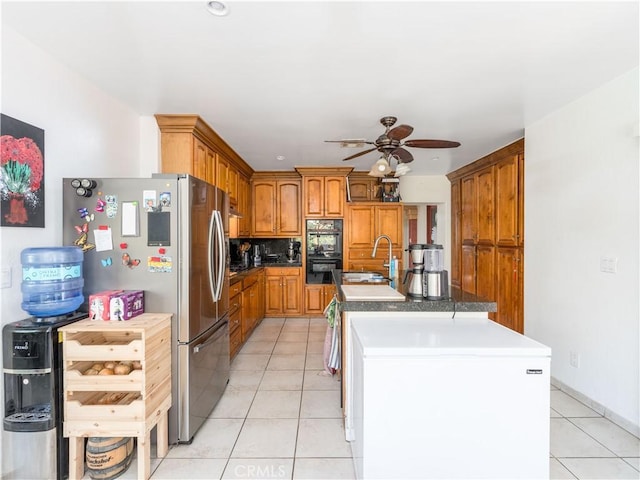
x: 460, y: 305
x: 444, y: 390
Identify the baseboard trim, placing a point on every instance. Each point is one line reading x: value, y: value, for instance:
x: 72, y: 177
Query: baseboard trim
x: 622, y: 422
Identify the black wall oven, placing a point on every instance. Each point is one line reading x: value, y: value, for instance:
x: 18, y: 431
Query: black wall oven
x: 324, y: 249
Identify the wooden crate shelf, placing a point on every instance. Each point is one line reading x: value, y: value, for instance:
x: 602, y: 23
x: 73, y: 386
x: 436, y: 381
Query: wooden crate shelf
x: 117, y: 405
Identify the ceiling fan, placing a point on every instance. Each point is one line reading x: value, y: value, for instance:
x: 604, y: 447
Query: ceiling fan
x: 391, y: 143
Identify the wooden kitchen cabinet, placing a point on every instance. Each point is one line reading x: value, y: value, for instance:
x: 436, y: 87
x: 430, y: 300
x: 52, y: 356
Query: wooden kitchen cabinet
x: 478, y: 208
x: 324, y: 197
x: 456, y: 239
x: 276, y: 208
x: 509, y: 288
x: 189, y: 145
x: 365, y: 222
x: 509, y: 224
x: 283, y: 290
x: 324, y: 191
x: 363, y: 187
x: 250, y: 298
x: 235, y: 318
x: 317, y: 297
x: 487, y: 205
x: 240, y: 227
x: 244, y: 206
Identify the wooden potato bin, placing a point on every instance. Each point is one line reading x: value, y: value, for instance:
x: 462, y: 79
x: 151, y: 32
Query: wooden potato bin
x: 128, y: 404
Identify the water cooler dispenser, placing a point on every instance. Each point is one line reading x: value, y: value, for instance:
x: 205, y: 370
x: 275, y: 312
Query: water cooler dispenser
x: 33, y: 443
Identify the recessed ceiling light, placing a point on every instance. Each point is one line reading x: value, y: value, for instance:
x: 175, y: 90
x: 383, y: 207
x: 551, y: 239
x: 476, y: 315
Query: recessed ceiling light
x: 280, y: 158
x: 435, y: 159
x: 217, y: 8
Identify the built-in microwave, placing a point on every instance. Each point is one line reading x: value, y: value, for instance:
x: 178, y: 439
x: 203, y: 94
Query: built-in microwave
x: 324, y: 236
x: 324, y: 249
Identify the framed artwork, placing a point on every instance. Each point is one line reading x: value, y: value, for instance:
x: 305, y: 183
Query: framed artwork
x: 21, y: 174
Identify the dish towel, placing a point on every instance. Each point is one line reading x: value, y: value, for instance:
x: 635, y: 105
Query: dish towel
x: 332, y: 338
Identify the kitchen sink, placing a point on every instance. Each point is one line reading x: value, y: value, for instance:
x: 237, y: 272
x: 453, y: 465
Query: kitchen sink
x: 363, y: 277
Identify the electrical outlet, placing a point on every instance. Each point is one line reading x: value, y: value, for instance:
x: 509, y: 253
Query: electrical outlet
x: 5, y: 282
x: 574, y: 359
x: 608, y: 264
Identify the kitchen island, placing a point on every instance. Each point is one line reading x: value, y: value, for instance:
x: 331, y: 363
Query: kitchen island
x: 434, y: 389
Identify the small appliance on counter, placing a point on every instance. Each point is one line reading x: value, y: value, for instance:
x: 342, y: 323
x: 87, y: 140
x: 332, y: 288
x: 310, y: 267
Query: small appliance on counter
x: 293, y: 251
x: 414, y: 277
x: 257, y: 258
x: 435, y: 277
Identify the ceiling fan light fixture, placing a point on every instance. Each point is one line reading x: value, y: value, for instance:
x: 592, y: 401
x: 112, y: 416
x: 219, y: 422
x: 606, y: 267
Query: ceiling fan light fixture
x: 401, y: 169
x: 375, y: 173
x: 382, y: 166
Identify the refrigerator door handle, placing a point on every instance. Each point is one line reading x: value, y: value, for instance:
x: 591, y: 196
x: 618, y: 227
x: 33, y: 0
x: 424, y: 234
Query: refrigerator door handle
x: 215, y: 337
x: 221, y: 255
x: 210, y: 260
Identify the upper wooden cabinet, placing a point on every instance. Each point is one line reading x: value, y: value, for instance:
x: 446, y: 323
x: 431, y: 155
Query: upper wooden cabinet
x: 323, y: 191
x: 509, y: 198
x: 364, y: 223
x: 276, y: 208
x: 363, y: 187
x: 487, y: 234
x: 189, y: 145
x: 478, y: 207
x: 456, y: 238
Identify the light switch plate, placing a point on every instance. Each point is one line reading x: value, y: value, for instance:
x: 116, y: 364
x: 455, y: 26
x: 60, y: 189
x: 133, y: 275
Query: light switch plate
x: 5, y: 281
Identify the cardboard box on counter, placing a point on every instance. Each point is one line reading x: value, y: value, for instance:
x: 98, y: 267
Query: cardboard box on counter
x: 126, y: 305
x: 99, y: 304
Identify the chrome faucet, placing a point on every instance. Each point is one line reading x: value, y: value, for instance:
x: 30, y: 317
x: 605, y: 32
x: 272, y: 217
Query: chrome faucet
x: 375, y: 248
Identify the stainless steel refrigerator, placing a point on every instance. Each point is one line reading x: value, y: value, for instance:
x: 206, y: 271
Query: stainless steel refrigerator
x: 167, y: 236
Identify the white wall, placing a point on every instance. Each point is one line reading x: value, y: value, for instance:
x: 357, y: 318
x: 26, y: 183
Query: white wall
x: 581, y: 203
x: 434, y: 190
x: 87, y: 134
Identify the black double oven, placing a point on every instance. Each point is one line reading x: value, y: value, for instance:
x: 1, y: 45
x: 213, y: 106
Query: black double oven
x: 324, y: 249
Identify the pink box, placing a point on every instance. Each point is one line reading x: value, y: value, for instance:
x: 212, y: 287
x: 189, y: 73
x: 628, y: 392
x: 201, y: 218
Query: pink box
x: 99, y: 304
x: 126, y: 305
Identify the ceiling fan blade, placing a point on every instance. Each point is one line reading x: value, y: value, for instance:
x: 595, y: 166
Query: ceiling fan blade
x: 404, y: 156
x: 359, y: 154
x: 400, y: 132
x: 431, y: 144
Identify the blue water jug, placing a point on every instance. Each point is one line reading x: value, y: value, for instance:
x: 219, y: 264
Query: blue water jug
x: 51, y: 280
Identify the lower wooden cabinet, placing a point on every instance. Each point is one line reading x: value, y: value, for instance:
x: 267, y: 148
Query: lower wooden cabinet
x: 246, y: 308
x: 283, y: 291
x: 317, y: 297
x: 509, y: 288
x: 235, y: 318
x: 250, y: 298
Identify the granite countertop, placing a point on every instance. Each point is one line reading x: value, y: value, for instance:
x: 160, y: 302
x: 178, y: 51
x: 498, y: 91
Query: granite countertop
x: 459, y: 300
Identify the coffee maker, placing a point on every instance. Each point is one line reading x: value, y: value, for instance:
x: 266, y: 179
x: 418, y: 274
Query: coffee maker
x: 414, y: 276
x: 435, y: 277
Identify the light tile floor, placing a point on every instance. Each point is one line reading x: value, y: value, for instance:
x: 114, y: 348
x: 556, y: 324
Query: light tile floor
x: 280, y: 415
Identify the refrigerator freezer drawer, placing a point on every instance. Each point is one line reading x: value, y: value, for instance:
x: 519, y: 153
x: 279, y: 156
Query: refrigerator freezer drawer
x: 203, y: 371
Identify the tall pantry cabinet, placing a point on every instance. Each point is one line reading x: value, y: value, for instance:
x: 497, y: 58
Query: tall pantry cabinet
x: 487, y: 235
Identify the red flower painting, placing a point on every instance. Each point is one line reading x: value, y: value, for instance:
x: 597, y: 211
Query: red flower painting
x: 21, y: 176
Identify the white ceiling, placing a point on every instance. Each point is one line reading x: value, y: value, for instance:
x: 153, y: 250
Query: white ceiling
x: 279, y: 78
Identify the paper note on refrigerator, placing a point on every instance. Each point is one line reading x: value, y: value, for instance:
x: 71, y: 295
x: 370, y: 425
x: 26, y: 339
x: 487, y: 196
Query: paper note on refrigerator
x: 103, y: 239
x: 130, y: 219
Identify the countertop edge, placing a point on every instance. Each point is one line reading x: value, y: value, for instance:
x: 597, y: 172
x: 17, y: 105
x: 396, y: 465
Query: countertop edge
x: 460, y: 301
